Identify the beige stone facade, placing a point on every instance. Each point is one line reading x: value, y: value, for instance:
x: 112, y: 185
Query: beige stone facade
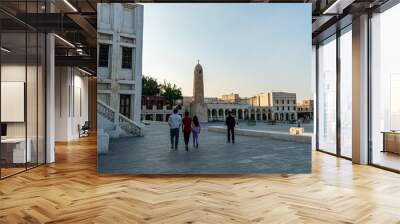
x: 198, y: 107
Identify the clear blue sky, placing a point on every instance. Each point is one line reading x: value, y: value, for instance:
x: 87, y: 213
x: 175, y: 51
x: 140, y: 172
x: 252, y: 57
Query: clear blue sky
x: 243, y: 48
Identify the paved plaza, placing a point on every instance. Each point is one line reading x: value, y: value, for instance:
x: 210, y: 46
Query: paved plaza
x: 151, y: 154
x: 262, y: 125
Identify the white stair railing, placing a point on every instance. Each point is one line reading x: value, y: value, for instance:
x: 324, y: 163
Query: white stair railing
x: 120, y: 121
x: 130, y: 126
x: 106, y: 111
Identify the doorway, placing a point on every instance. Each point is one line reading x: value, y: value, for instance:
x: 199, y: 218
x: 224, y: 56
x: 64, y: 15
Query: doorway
x: 125, y: 105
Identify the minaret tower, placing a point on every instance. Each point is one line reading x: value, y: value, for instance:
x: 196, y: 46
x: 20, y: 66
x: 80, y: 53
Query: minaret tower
x: 198, y: 107
x: 198, y: 84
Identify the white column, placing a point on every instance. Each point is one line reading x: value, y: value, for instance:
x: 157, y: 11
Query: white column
x: 360, y: 90
x: 50, y: 95
x: 138, y: 63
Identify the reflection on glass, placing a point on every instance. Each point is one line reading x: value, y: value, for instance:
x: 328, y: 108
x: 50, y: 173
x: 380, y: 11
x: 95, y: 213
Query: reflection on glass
x: 386, y: 88
x: 13, y: 85
x: 346, y: 94
x: 22, y: 91
x: 327, y: 96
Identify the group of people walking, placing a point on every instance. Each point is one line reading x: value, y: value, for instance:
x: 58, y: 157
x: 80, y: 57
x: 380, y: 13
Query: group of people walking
x: 189, y: 125
x: 192, y: 126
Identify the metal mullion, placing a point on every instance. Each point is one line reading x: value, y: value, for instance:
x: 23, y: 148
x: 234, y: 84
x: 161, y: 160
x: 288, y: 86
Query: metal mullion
x: 26, y: 87
x: 369, y: 89
x: 45, y: 87
x: 37, y: 90
x: 338, y: 92
x: 316, y: 115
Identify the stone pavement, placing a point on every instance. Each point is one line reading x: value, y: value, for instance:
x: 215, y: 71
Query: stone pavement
x: 151, y: 154
x: 262, y: 125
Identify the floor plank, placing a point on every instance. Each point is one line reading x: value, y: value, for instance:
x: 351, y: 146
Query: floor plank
x: 71, y: 191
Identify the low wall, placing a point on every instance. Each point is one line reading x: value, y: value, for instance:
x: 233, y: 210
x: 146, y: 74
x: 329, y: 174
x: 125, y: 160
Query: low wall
x: 305, y: 138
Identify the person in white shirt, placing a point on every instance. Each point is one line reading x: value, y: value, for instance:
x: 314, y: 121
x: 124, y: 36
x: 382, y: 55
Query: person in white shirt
x: 174, y: 122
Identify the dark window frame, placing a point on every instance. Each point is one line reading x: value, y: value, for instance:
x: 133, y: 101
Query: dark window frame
x: 127, y: 57
x: 104, y: 55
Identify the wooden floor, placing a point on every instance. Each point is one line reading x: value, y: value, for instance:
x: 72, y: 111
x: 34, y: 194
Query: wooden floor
x: 70, y: 191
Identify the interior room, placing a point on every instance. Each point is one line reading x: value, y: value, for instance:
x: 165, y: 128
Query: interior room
x: 47, y: 83
x: 22, y: 99
x: 48, y: 71
x: 71, y: 103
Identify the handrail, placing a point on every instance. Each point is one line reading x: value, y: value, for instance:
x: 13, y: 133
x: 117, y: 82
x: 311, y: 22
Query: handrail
x: 130, y: 126
x: 105, y: 105
x: 106, y: 111
x: 119, y: 119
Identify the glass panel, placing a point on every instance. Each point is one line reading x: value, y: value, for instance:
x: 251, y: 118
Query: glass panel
x: 31, y: 98
x: 13, y: 87
x: 22, y: 81
x: 385, y: 84
x: 346, y: 94
x: 41, y: 98
x: 327, y: 96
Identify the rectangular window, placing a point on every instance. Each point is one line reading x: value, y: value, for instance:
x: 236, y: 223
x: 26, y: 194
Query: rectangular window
x: 283, y: 101
x: 126, y: 57
x: 288, y: 102
x: 277, y: 101
x: 385, y: 89
x: 327, y: 95
x: 125, y: 105
x: 294, y: 101
x: 288, y: 108
x: 283, y: 108
x: 346, y: 94
x: 103, y: 55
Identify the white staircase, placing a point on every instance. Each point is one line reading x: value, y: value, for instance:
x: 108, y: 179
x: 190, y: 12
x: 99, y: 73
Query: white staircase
x: 115, y: 124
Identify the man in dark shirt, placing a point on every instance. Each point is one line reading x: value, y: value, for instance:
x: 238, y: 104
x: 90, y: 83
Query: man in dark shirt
x: 230, y: 123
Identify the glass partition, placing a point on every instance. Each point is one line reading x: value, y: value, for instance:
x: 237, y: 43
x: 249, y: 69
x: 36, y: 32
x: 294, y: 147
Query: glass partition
x: 346, y: 93
x: 13, y: 94
x: 327, y: 95
x: 41, y: 97
x: 22, y: 101
x: 385, y: 89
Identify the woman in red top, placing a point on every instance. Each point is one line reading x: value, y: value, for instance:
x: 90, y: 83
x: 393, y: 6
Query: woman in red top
x: 187, y: 129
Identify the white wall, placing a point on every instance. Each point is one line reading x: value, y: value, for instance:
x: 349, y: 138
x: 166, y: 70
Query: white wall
x: 71, y: 102
x: 33, y: 126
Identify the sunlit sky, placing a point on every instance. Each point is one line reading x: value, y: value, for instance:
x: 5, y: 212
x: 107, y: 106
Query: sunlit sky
x: 243, y: 48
